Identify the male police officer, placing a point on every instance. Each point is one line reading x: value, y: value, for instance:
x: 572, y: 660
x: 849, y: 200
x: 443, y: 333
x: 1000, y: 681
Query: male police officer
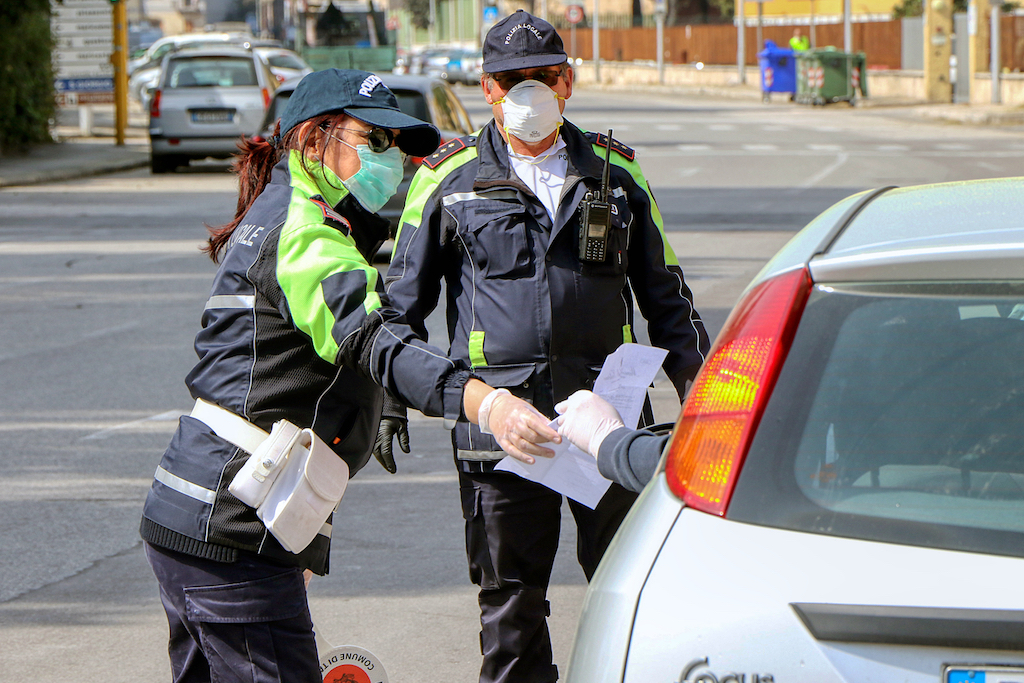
x: 535, y: 310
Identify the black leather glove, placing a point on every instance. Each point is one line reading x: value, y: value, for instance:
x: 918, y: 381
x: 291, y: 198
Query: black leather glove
x: 393, y: 421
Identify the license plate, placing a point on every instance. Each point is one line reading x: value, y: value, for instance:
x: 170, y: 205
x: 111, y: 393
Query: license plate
x: 962, y: 673
x: 213, y: 116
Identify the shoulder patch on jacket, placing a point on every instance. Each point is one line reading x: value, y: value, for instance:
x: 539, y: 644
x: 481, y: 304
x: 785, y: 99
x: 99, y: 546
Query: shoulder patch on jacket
x: 602, y: 141
x: 332, y: 217
x: 447, y: 150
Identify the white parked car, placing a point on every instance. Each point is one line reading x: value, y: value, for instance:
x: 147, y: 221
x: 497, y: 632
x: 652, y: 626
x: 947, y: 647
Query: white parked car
x: 207, y: 99
x: 842, y: 498
x: 155, y: 53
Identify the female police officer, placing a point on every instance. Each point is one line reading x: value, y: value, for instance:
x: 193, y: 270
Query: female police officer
x: 296, y: 328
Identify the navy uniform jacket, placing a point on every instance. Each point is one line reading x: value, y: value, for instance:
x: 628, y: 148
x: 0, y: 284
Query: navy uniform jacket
x: 522, y: 309
x: 296, y: 328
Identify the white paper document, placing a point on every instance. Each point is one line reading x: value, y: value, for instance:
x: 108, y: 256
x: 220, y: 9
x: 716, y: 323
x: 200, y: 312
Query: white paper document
x: 623, y: 382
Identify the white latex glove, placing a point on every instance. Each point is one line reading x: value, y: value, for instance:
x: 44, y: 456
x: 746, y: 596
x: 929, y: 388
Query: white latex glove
x: 586, y: 419
x: 517, y: 426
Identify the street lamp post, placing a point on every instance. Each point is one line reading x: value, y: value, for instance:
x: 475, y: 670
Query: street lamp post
x: 741, y: 42
x: 994, y: 63
x: 847, y: 28
x: 597, y: 42
x: 659, y: 19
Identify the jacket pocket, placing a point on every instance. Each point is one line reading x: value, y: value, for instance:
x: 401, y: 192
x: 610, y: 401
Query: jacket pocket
x: 470, y: 442
x: 498, y: 240
x: 515, y: 377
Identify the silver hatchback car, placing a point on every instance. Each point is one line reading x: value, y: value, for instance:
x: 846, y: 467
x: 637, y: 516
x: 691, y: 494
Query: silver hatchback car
x: 842, y: 498
x: 206, y: 100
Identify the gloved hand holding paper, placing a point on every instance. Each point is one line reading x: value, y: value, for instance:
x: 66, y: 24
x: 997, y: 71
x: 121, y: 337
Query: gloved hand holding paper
x: 623, y: 382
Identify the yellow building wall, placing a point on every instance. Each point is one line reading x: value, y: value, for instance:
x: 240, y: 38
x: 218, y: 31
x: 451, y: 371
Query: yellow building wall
x: 804, y: 8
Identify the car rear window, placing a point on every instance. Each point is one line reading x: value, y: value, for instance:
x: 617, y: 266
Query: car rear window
x: 412, y: 103
x: 210, y: 72
x: 898, y: 416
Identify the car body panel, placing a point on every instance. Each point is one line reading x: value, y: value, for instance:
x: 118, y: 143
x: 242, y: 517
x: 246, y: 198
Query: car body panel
x: 984, y: 261
x: 765, y: 570
x: 944, y: 212
x: 728, y: 598
x: 606, y: 618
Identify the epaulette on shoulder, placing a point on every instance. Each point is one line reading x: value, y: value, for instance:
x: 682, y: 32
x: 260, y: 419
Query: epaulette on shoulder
x: 447, y: 150
x: 602, y: 141
x: 331, y: 217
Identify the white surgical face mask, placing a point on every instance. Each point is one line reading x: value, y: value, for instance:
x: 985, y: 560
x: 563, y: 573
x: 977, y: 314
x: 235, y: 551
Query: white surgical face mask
x: 530, y: 110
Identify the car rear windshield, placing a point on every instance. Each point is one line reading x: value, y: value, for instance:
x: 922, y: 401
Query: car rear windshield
x: 211, y: 72
x: 412, y: 103
x: 898, y: 416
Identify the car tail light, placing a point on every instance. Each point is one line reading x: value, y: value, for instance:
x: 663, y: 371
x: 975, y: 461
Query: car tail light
x: 727, y: 399
x: 266, y: 97
x: 154, y: 105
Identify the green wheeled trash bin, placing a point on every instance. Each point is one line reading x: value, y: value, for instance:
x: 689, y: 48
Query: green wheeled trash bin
x: 827, y: 75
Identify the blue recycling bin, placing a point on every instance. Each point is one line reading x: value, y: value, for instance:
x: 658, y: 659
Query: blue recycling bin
x: 778, y: 69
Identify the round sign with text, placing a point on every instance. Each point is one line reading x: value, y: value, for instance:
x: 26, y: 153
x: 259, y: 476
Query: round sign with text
x: 574, y: 14
x: 351, y: 664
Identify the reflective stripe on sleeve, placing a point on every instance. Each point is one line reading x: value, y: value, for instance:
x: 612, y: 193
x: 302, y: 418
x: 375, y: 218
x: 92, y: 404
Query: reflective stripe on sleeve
x: 230, y: 301
x: 476, y: 349
x: 462, y: 454
x: 184, y: 487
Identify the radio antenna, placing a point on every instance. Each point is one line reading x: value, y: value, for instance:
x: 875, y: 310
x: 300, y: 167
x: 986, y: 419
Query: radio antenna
x: 607, y: 167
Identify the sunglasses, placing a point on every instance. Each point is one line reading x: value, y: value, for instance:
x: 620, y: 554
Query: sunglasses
x: 508, y: 79
x: 377, y: 139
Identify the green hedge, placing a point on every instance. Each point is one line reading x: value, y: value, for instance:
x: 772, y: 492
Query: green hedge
x: 26, y: 74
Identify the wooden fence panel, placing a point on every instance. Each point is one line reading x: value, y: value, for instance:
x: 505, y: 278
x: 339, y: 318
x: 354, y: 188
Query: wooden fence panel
x: 716, y: 43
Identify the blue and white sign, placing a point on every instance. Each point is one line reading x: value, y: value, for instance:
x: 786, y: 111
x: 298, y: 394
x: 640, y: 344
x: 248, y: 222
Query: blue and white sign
x: 490, y: 14
x: 83, y: 32
x: 83, y: 84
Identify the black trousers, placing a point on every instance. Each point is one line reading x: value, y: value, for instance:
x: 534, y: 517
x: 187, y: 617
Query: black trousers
x: 512, y: 528
x: 245, y: 621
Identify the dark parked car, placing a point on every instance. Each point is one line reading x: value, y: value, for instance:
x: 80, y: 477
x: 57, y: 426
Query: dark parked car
x: 426, y: 98
x: 842, y: 499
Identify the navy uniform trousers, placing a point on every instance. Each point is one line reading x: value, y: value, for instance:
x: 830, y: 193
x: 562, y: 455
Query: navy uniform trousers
x: 235, y: 622
x: 512, y: 529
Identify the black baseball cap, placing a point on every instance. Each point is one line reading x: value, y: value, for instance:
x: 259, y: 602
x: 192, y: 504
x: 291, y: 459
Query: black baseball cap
x: 521, y: 41
x: 361, y: 95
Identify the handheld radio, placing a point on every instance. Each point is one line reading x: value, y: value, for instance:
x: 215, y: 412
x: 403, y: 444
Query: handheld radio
x: 596, y: 217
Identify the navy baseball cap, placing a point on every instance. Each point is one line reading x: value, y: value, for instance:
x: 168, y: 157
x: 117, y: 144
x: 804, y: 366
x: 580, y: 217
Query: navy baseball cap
x: 361, y: 95
x: 521, y: 41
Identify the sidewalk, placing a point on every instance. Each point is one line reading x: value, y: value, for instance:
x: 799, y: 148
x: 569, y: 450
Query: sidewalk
x: 73, y: 156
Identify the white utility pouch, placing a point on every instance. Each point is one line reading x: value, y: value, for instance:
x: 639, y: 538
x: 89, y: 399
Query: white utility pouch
x: 307, y: 489
x: 261, y: 470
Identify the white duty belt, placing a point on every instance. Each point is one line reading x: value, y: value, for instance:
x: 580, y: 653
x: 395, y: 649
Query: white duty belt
x: 228, y: 426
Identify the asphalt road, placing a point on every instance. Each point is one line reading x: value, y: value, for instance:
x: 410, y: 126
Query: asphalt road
x: 101, y: 287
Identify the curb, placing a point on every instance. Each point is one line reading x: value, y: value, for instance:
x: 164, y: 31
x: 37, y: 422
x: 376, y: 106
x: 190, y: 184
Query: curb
x: 57, y: 175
